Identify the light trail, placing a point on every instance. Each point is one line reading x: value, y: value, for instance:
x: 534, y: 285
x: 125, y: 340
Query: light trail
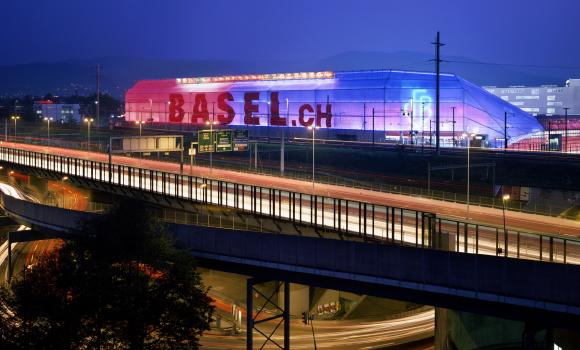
x: 401, y: 228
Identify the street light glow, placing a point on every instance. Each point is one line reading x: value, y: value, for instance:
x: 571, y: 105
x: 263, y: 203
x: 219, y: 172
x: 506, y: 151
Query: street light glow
x: 506, y: 197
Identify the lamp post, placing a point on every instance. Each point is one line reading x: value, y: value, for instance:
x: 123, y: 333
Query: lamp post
x: 211, y: 124
x: 505, y: 198
x: 97, y: 108
x: 15, y: 118
x: 313, y: 128
x: 566, y: 149
x: 408, y: 113
x: 89, y: 121
x: 140, y: 123
x: 453, y: 116
x: 468, y: 138
x: 62, y: 180
x: 422, y: 125
x: 48, y: 120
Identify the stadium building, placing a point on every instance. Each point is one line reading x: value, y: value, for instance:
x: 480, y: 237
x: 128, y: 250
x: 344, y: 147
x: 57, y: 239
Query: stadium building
x: 368, y: 106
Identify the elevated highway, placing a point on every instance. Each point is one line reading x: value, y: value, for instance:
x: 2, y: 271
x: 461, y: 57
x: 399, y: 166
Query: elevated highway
x: 456, y: 211
x: 327, y: 208
x: 539, y: 292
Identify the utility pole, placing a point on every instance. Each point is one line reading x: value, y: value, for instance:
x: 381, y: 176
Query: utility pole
x: 505, y: 136
x: 566, y: 127
x: 422, y: 126
x: 438, y: 45
x: 98, y: 102
x: 373, y: 126
x: 453, y: 115
x: 549, y: 135
x: 282, y: 140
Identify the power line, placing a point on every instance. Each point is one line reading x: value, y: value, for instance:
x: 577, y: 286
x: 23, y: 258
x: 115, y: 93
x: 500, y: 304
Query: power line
x: 516, y: 65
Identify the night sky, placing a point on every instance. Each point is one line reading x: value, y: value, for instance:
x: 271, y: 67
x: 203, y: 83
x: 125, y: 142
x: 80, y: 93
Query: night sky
x: 507, y: 31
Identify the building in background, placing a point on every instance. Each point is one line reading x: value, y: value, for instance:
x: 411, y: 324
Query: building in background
x: 545, y: 100
x: 61, y: 112
x: 388, y: 106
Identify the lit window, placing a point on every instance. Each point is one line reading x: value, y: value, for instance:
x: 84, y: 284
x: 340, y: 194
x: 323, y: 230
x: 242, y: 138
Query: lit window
x: 551, y: 98
x: 527, y: 97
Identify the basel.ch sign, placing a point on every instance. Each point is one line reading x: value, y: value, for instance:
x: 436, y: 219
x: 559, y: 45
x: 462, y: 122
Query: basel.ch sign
x: 307, y: 115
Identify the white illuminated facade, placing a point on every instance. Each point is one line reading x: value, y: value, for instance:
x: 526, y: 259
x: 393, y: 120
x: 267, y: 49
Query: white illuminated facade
x: 549, y: 100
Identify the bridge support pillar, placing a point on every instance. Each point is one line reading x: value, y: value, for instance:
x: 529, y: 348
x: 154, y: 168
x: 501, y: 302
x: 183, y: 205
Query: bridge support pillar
x: 464, y: 330
x: 267, y: 299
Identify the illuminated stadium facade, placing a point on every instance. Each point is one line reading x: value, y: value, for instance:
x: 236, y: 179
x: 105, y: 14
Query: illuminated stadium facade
x: 379, y: 106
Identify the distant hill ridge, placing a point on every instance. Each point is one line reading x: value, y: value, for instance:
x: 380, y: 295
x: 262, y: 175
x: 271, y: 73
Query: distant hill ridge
x: 119, y: 73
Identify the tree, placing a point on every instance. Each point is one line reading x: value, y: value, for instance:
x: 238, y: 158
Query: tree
x: 121, y: 285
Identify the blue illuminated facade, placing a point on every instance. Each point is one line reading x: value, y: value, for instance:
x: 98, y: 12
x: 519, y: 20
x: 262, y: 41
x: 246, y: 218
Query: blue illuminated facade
x: 382, y: 106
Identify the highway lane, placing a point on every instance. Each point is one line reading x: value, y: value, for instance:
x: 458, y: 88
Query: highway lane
x: 483, y: 215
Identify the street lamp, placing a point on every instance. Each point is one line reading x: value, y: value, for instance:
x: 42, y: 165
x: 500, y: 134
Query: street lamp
x: 453, y: 116
x: 15, y: 118
x: 566, y: 128
x: 48, y: 120
x: 62, y: 180
x: 211, y: 124
x: 468, y: 137
x: 313, y: 128
x: 505, y: 198
x: 89, y: 121
x: 409, y: 113
x: 140, y: 123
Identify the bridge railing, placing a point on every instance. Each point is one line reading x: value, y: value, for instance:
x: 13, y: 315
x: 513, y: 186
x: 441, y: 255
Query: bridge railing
x: 365, y: 220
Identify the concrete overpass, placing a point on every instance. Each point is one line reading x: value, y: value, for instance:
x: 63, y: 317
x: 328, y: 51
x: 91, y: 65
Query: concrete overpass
x: 539, y: 292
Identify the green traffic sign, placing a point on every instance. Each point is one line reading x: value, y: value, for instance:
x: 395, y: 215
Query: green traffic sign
x: 205, y: 141
x: 224, y: 140
x: 240, y: 140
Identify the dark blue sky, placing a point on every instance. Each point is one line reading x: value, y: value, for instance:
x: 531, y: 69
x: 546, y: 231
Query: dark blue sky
x: 514, y: 31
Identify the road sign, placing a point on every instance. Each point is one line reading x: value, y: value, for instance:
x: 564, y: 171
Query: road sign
x: 191, y: 151
x: 224, y: 140
x: 240, y: 140
x: 140, y: 144
x: 205, y: 141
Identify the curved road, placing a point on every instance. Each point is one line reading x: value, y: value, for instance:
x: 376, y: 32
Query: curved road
x: 483, y: 215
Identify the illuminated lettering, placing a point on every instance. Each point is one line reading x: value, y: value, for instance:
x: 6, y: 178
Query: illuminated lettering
x: 199, y: 110
x: 176, y: 112
x: 327, y: 115
x: 250, y: 108
x: 224, y: 106
x: 275, y: 118
x: 305, y: 107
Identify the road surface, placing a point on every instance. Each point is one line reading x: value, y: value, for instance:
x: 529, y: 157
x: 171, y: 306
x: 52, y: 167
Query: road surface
x: 456, y: 211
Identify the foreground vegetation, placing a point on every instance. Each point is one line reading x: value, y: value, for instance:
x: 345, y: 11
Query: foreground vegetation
x: 122, y: 284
